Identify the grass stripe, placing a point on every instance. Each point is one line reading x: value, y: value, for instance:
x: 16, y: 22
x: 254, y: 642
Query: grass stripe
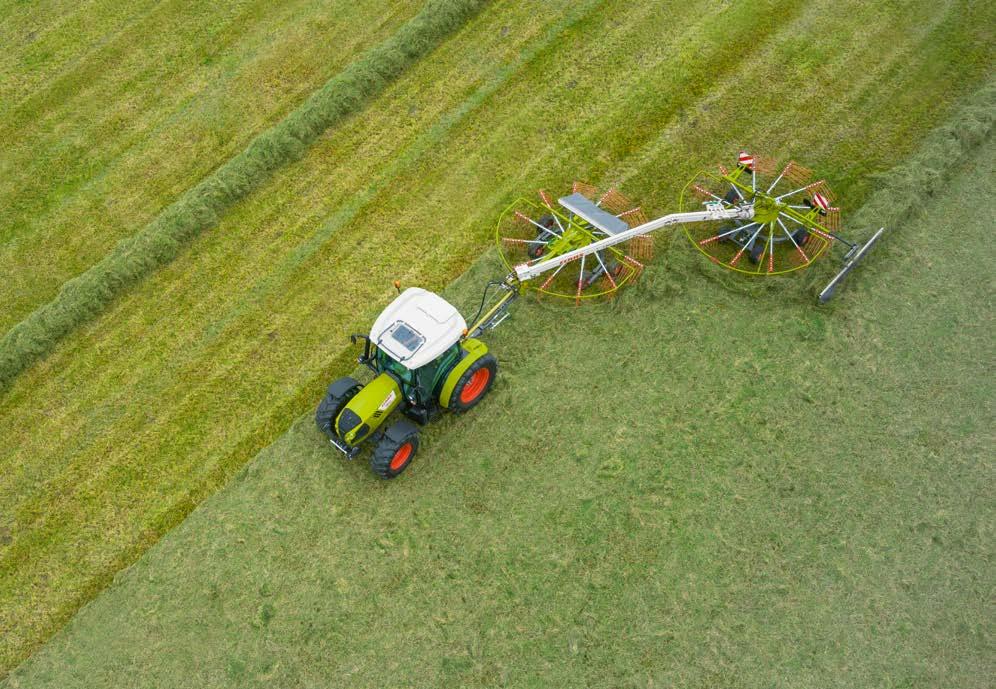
x: 85, y: 296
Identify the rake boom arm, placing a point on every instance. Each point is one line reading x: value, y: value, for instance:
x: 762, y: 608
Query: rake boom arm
x: 714, y: 212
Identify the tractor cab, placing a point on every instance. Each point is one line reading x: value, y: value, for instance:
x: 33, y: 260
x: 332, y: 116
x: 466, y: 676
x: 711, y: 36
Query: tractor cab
x: 417, y: 339
x: 417, y: 327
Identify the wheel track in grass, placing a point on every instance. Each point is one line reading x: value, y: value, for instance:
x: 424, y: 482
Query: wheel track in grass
x: 221, y: 40
x: 193, y: 347
x: 64, y: 87
x: 225, y: 374
x: 9, y: 104
x: 811, y: 143
x: 439, y: 17
x: 346, y: 213
x: 783, y: 565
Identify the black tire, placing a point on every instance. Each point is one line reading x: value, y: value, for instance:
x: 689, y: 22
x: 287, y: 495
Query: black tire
x: 474, y: 384
x: 395, y: 450
x: 536, y: 250
x: 757, y: 252
x: 336, y: 398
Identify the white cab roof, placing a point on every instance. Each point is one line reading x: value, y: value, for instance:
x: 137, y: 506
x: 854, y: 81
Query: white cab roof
x: 417, y: 327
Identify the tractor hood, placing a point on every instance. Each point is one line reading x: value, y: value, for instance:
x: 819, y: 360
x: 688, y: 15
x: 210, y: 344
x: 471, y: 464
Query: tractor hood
x: 417, y: 327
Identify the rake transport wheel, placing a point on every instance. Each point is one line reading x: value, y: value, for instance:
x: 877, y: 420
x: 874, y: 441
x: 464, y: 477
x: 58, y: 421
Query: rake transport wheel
x: 336, y: 398
x: 794, y: 219
x: 474, y: 384
x: 538, y: 230
x: 395, y: 450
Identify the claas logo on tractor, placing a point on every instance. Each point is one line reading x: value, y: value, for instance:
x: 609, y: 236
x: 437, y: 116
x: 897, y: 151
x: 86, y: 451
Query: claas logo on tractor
x: 759, y: 219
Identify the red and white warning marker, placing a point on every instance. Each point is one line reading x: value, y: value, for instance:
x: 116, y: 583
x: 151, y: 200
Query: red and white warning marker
x: 746, y: 160
x: 820, y: 201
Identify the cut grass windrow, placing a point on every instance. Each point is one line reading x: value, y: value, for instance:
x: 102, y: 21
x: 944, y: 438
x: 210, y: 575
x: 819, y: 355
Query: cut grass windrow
x: 82, y: 297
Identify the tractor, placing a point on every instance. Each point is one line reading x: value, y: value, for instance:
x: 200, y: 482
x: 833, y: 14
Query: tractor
x: 424, y: 361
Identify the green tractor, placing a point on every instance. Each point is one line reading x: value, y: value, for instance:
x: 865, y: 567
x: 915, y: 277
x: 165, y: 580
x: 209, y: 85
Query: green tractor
x: 424, y: 362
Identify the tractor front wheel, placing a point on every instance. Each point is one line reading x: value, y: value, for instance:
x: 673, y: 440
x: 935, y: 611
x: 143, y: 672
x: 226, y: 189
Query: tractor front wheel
x: 474, y: 384
x: 336, y: 399
x: 396, y: 449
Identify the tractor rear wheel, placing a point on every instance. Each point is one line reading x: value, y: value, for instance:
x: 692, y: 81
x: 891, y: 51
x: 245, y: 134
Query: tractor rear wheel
x: 395, y: 450
x: 474, y: 384
x: 336, y: 398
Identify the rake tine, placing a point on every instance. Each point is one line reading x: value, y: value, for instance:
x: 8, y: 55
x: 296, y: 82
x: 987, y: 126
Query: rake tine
x: 725, y: 234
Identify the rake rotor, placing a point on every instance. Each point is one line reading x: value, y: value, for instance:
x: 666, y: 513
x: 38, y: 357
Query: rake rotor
x: 759, y: 218
x: 543, y: 229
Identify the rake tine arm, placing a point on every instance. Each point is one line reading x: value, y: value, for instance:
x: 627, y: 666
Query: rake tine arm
x: 536, y: 224
x: 740, y: 253
x: 727, y: 233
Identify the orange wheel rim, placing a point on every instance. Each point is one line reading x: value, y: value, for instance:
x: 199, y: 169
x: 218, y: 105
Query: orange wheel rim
x: 401, y: 457
x: 475, y: 386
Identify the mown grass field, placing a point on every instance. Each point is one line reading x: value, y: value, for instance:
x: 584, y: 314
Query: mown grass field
x: 136, y: 418
x: 109, y: 112
x: 689, y: 487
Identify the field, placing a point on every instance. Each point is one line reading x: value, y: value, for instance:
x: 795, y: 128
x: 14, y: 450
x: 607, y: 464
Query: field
x: 714, y: 489
x: 138, y: 416
x: 108, y: 115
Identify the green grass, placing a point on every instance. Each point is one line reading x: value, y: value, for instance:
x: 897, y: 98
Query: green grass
x: 83, y: 297
x: 137, y: 417
x: 688, y: 487
x: 109, y: 112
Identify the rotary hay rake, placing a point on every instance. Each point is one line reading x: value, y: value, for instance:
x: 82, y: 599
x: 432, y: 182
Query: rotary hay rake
x: 758, y: 219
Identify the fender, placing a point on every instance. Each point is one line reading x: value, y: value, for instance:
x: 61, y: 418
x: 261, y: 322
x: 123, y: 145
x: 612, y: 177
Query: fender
x: 368, y: 409
x: 473, y: 350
